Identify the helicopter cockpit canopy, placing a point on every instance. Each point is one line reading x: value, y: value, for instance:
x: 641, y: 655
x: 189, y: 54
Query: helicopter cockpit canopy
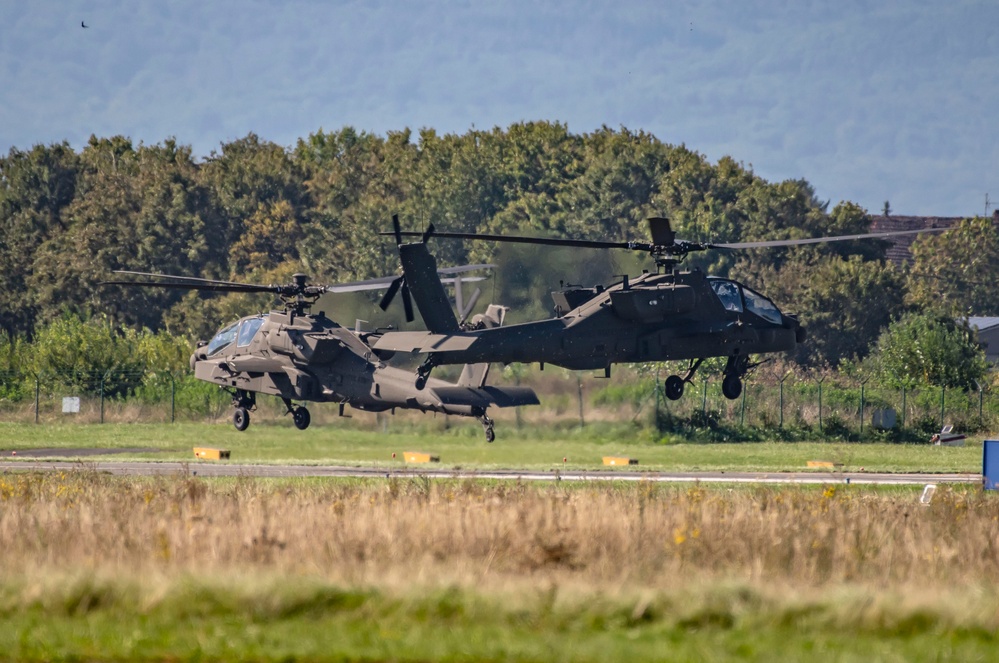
x: 222, y: 340
x: 738, y: 298
x: 248, y: 329
x: 241, y: 332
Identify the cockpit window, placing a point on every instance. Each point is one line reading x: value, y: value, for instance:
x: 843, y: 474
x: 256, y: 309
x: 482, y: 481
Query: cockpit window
x: 762, y: 307
x: 728, y: 293
x: 247, y: 330
x: 222, y: 339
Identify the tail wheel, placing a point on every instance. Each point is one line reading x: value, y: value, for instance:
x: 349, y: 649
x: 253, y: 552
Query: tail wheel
x: 301, y: 417
x: 241, y: 418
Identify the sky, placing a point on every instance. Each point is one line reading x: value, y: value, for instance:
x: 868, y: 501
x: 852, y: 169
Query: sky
x: 868, y: 101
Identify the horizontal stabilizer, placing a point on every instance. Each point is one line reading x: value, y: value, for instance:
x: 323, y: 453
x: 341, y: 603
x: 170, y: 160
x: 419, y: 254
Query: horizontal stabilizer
x: 423, y: 342
x: 485, y: 396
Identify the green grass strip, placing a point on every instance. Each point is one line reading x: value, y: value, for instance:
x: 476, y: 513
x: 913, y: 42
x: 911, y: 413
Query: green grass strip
x: 280, y: 618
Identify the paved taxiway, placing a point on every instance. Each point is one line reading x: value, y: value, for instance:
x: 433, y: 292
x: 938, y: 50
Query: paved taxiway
x: 226, y: 469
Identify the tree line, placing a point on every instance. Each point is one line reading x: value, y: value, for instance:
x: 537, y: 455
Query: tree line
x: 256, y: 211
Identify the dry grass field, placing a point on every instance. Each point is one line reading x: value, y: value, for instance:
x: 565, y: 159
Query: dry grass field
x: 498, y: 571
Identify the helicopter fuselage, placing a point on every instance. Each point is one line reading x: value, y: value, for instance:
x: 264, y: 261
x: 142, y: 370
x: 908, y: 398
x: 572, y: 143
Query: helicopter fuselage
x: 312, y: 358
x: 654, y: 317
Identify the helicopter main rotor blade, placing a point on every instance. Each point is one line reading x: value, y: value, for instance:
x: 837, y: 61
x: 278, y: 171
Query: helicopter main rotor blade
x: 517, y: 239
x: 460, y: 269
x: 186, y: 286
x: 680, y: 244
x: 821, y: 240
x: 382, y: 282
x: 189, y: 283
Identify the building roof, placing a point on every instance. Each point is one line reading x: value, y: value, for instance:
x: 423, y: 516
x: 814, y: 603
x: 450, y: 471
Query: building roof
x: 982, y: 323
x: 899, y: 252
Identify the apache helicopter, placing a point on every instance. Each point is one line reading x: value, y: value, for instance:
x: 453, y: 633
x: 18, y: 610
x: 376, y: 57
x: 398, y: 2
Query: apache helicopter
x: 295, y: 355
x: 669, y: 314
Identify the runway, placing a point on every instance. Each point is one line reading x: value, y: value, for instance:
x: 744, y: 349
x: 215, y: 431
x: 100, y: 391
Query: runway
x: 226, y: 469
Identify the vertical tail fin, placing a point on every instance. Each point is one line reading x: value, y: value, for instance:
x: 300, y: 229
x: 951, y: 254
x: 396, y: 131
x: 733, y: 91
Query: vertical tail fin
x: 420, y: 270
x: 474, y: 375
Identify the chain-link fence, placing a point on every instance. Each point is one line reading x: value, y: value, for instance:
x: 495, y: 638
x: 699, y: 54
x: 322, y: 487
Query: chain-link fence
x: 94, y: 397
x: 788, y: 406
x: 830, y: 407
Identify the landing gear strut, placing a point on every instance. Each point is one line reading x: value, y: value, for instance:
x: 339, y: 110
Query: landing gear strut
x: 423, y: 373
x: 487, y: 426
x: 299, y: 414
x: 734, y: 370
x: 243, y: 401
x: 675, y: 384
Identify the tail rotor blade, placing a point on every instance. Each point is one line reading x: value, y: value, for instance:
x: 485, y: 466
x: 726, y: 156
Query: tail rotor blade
x: 407, y: 302
x: 427, y: 233
x: 390, y: 293
x: 397, y: 229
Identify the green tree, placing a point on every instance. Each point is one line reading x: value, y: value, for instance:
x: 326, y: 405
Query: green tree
x: 356, y: 182
x: 925, y: 348
x: 36, y: 186
x: 844, y: 304
x: 82, y: 354
x: 955, y: 272
x: 136, y: 209
x: 260, y: 194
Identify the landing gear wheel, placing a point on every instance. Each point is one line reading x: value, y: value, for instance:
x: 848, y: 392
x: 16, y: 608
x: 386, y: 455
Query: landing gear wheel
x: 674, y: 387
x: 732, y: 387
x: 301, y: 418
x: 241, y: 418
x: 487, y: 426
x: 421, y: 382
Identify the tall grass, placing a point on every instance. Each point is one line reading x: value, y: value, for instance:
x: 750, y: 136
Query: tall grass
x: 470, y: 533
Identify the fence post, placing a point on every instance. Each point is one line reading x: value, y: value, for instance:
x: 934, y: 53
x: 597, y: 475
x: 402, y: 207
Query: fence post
x: 38, y: 379
x: 820, y: 381
x: 102, y: 397
x: 786, y: 376
x: 863, y: 386
x: 657, y: 400
x: 579, y: 385
x: 742, y: 416
x: 704, y: 400
x: 943, y: 403
x: 173, y: 401
x: 981, y: 403
x: 903, y: 407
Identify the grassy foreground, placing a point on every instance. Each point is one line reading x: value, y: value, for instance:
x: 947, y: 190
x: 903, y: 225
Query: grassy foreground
x: 97, y: 567
x: 274, y: 619
x: 462, y: 445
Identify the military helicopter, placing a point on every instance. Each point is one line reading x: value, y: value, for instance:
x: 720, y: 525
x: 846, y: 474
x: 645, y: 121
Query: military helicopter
x: 299, y: 356
x: 669, y: 314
